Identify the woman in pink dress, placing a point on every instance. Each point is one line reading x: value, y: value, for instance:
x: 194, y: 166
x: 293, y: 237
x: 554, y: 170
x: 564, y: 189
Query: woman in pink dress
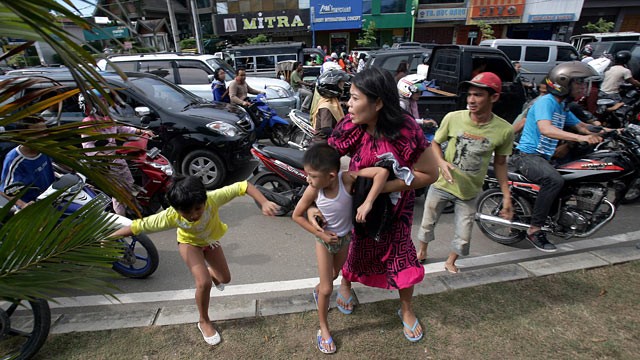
x: 376, y: 125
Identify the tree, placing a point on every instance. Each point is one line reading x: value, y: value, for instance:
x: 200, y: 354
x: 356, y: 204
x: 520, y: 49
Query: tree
x: 260, y: 38
x: 368, y: 35
x: 601, y: 26
x: 486, y: 30
x: 41, y: 254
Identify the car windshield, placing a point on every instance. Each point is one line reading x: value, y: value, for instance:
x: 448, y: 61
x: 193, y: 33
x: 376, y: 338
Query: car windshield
x: 163, y: 93
x: 218, y: 63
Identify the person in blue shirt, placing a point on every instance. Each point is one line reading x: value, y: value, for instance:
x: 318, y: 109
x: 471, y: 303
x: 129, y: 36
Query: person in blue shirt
x: 27, y: 166
x: 543, y: 128
x: 219, y: 88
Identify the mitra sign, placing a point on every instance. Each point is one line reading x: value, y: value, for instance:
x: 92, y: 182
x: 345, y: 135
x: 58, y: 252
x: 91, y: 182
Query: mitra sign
x: 261, y: 22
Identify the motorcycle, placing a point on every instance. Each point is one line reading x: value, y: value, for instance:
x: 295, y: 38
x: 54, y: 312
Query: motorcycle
x: 303, y: 132
x: 280, y: 177
x: 151, y: 173
x: 582, y: 208
x: 619, y: 114
x: 134, y: 263
x: 268, y: 124
x: 628, y: 142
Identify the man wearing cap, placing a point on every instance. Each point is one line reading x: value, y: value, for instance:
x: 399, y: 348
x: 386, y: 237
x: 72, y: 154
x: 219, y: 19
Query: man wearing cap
x: 473, y: 135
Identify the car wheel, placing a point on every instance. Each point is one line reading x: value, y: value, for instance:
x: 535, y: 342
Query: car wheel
x: 205, y: 165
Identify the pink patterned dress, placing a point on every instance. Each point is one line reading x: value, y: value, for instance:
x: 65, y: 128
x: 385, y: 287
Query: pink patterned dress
x: 391, y: 262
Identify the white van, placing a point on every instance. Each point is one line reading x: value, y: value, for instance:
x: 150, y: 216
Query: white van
x: 537, y: 57
x: 579, y: 41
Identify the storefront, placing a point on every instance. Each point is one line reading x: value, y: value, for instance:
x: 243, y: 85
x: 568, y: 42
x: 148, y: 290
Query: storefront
x: 335, y: 24
x: 438, y: 24
x: 283, y: 25
x: 498, y: 13
x: 547, y: 21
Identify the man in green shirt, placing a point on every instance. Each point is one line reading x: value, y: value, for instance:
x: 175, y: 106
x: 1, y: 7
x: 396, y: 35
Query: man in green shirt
x: 296, y: 84
x: 473, y: 135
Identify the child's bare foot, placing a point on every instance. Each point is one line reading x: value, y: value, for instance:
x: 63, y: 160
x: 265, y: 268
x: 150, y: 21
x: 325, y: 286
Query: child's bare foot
x: 325, y: 343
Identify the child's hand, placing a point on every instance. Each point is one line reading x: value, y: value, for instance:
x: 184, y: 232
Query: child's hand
x: 329, y: 237
x: 270, y: 208
x: 362, y: 212
x: 316, y: 218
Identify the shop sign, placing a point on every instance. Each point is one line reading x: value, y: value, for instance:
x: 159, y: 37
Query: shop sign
x: 495, y: 12
x: 552, y: 18
x: 441, y: 14
x: 263, y: 21
x: 336, y: 14
x: 105, y: 33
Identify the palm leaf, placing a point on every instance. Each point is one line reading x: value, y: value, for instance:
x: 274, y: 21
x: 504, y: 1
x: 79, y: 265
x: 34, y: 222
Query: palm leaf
x: 43, y: 253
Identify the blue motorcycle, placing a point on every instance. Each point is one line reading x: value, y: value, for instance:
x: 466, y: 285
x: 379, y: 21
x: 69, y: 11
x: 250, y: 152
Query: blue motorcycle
x: 268, y: 124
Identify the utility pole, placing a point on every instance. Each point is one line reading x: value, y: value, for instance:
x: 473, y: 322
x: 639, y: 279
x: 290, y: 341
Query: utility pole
x: 196, y: 26
x: 174, y: 26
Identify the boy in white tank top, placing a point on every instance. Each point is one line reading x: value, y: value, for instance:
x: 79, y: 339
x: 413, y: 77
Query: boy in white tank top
x: 330, y: 189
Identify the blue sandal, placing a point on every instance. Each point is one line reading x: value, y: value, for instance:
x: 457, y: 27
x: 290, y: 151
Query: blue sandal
x: 346, y: 302
x: 411, y: 328
x: 325, y: 345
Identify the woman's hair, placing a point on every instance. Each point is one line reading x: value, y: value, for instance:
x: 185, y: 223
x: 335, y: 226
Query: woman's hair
x: 216, y: 75
x: 186, y: 192
x: 322, y: 157
x: 377, y: 83
x: 362, y: 56
x: 402, y: 67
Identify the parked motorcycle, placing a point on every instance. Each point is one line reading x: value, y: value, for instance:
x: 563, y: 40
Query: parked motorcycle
x: 303, y: 132
x: 140, y: 258
x: 582, y: 207
x: 280, y: 177
x: 151, y: 174
x: 268, y: 124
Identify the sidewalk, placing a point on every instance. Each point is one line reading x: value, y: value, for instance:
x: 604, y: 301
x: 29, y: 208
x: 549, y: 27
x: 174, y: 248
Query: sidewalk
x: 93, y: 313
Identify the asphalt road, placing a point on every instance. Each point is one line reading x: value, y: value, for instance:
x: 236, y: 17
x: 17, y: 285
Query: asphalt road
x: 270, y: 249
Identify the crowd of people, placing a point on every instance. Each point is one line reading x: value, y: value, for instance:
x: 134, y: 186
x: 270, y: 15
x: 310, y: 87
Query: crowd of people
x: 362, y: 217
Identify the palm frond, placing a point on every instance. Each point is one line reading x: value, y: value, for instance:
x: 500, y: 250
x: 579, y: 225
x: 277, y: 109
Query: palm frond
x: 44, y: 253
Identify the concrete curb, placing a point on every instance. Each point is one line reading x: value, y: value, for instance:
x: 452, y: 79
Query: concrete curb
x: 483, y: 270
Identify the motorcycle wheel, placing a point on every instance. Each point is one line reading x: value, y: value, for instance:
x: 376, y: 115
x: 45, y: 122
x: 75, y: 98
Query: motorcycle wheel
x: 24, y: 327
x: 273, y: 183
x: 490, y: 203
x: 633, y: 194
x: 278, y: 134
x: 299, y: 137
x: 140, y: 258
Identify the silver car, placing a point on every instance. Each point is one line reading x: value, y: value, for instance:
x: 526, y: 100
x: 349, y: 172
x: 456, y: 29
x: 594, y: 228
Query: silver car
x: 195, y: 74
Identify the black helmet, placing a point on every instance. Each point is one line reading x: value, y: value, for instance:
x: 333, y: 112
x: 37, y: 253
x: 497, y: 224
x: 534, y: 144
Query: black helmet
x: 560, y: 77
x: 623, y: 57
x: 327, y: 83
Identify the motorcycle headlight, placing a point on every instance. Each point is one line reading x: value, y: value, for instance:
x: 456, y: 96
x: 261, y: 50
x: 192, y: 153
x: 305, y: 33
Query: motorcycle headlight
x: 279, y: 91
x: 167, y: 169
x: 223, y: 128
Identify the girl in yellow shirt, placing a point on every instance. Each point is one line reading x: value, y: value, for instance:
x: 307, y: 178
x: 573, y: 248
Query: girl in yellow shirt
x: 194, y: 213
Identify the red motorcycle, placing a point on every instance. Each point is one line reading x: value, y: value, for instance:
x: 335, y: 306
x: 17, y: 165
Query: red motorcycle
x: 151, y: 173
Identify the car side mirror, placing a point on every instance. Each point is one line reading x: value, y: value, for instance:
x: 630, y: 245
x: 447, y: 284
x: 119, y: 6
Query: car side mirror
x: 142, y: 111
x: 211, y: 78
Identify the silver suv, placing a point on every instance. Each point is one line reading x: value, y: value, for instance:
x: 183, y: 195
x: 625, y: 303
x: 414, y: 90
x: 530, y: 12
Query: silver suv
x: 195, y: 73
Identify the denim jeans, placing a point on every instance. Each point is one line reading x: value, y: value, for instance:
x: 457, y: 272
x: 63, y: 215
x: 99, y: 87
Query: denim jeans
x: 465, y: 211
x: 540, y: 171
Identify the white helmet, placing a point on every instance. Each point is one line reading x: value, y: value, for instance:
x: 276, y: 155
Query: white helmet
x: 411, y: 84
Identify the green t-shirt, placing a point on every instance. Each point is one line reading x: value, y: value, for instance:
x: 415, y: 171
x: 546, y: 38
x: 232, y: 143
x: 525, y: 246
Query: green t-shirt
x: 469, y: 150
x: 295, y: 80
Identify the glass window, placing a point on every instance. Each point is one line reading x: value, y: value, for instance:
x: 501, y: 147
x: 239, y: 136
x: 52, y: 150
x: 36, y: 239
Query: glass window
x: 206, y: 23
x: 392, y: 6
x: 366, y: 6
x: 222, y: 8
x: 192, y: 73
x: 124, y: 66
x: 162, y: 94
x: 304, y: 4
x: 512, y: 52
x: 536, y: 53
x: 200, y: 4
x: 440, y: 1
x: 164, y: 69
x: 267, y: 5
x: 265, y: 62
x: 566, y: 53
x: 244, y: 62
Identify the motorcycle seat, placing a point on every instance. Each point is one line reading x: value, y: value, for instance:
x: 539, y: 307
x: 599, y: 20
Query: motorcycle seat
x: 289, y: 156
x: 512, y: 174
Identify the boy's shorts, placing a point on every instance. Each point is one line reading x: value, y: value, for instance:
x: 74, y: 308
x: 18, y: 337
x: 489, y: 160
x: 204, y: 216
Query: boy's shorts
x: 335, y: 248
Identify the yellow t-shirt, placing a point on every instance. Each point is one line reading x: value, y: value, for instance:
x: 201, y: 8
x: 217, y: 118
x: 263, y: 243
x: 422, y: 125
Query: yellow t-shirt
x: 203, y: 232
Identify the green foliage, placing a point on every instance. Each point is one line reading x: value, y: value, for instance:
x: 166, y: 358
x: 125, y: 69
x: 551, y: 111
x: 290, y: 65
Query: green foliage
x: 189, y: 43
x: 486, y: 31
x: 33, y: 60
x: 368, y: 35
x: 261, y: 38
x: 601, y: 26
x: 17, y: 61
